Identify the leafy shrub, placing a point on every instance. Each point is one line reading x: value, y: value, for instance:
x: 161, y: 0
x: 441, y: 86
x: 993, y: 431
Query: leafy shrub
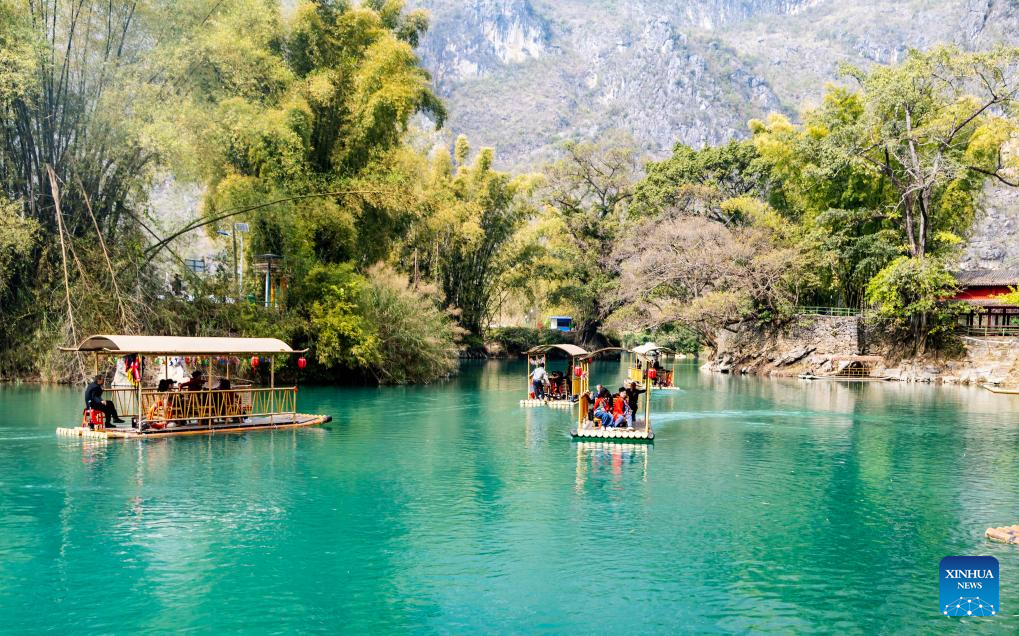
x: 381, y: 324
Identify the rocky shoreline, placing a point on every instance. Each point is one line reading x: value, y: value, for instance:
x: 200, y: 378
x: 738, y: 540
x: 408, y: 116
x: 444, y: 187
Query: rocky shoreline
x: 820, y: 345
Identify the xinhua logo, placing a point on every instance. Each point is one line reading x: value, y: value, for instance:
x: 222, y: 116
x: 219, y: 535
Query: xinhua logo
x: 968, y: 586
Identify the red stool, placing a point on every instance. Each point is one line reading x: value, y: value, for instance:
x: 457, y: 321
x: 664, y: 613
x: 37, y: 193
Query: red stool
x: 93, y: 418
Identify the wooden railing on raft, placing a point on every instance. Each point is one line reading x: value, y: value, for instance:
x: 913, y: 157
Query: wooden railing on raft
x: 206, y: 406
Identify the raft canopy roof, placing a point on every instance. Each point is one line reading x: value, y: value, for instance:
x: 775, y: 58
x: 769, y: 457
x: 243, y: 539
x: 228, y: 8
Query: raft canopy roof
x: 569, y: 349
x: 649, y: 347
x: 120, y: 344
x: 598, y: 352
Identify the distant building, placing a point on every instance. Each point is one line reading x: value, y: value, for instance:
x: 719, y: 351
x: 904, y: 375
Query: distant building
x: 980, y: 288
x: 560, y: 323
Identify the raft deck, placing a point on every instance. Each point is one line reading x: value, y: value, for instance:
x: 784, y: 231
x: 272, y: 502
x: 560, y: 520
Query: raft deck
x: 640, y: 432
x: 249, y: 424
x: 556, y: 404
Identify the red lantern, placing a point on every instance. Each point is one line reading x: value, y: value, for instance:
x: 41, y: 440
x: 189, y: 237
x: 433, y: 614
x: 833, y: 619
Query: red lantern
x: 254, y: 362
x: 302, y: 362
x: 652, y: 373
x: 578, y: 371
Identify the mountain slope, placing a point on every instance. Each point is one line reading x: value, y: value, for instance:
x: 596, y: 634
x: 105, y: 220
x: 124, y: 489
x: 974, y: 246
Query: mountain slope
x: 523, y: 74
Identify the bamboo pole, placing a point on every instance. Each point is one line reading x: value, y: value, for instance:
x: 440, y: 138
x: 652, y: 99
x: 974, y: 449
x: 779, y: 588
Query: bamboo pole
x: 141, y: 381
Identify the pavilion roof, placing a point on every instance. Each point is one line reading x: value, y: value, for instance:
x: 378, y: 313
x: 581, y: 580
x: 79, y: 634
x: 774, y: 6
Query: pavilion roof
x: 987, y: 277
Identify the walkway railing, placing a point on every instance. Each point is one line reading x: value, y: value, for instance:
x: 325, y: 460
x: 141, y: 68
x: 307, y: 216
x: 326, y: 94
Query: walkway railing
x: 988, y: 331
x: 827, y: 311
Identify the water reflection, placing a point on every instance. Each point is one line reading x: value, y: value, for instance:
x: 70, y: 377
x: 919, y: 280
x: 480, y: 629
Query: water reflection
x: 611, y: 461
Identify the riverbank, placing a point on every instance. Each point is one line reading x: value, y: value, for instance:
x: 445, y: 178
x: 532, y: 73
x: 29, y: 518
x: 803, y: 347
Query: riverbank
x: 823, y: 345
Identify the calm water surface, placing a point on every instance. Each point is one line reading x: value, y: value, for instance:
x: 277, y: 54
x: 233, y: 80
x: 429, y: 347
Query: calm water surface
x: 768, y: 505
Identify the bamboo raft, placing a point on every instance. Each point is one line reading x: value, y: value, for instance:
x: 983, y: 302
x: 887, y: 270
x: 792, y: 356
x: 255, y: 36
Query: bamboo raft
x: 1005, y: 534
x: 556, y: 404
x: 250, y: 424
x: 589, y: 431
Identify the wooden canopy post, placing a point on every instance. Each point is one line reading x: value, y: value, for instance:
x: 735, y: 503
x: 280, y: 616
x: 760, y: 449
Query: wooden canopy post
x: 272, y: 388
x: 647, y: 403
x: 141, y: 382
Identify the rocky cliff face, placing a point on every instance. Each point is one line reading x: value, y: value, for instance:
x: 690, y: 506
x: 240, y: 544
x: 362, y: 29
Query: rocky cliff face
x: 521, y: 75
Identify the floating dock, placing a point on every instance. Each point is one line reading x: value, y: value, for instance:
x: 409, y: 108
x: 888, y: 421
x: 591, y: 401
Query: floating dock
x: 1005, y: 534
x: 556, y: 404
x: 249, y: 424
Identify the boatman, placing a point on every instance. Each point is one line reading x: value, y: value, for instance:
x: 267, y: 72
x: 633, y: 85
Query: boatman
x: 94, y: 400
x: 538, y: 378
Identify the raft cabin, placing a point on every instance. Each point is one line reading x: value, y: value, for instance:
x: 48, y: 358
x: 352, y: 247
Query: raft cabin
x: 637, y: 430
x: 982, y: 289
x: 559, y: 387
x: 649, y: 364
x: 146, y: 371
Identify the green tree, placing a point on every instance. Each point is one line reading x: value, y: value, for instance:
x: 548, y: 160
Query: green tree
x: 471, y: 214
x: 588, y: 191
x: 933, y: 127
x: 911, y: 297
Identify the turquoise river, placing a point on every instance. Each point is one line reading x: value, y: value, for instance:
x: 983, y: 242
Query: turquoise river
x: 764, y: 505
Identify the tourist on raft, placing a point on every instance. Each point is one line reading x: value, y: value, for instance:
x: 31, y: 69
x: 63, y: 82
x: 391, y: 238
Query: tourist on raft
x: 603, y: 407
x: 196, y: 383
x: 620, y: 409
x: 538, y: 379
x: 633, y: 400
x: 94, y: 400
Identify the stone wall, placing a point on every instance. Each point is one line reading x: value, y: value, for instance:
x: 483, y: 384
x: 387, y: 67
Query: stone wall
x: 806, y: 344
x: 985, y: 361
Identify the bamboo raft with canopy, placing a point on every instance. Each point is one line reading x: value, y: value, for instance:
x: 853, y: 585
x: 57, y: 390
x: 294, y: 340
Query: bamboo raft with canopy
x: 197, y: 411
x: 588, y: 429
x: 562, y: 389
x: 648, y: 365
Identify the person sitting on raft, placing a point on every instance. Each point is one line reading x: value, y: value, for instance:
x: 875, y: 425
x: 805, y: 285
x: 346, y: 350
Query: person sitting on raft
x: 227, y: 402
x: 538, y: 379
x: 196, y: 383
x: 94, y: 400
x: 603, y: 408
x: 633, y: 400
x: 620, y: 409
x: 555, y: 385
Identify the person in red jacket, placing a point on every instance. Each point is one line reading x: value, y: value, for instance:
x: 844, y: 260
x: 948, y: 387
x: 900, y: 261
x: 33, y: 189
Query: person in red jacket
x: 620, y: 408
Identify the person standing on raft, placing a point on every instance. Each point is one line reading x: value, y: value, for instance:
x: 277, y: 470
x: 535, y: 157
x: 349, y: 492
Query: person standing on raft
x: 94, y: 400
x: 538, y: 379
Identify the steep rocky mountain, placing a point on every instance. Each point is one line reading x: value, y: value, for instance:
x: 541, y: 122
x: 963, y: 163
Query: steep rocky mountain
x: 523, y: 74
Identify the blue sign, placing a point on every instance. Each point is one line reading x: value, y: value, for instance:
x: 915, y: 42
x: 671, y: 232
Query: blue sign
x: 968, y: 586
